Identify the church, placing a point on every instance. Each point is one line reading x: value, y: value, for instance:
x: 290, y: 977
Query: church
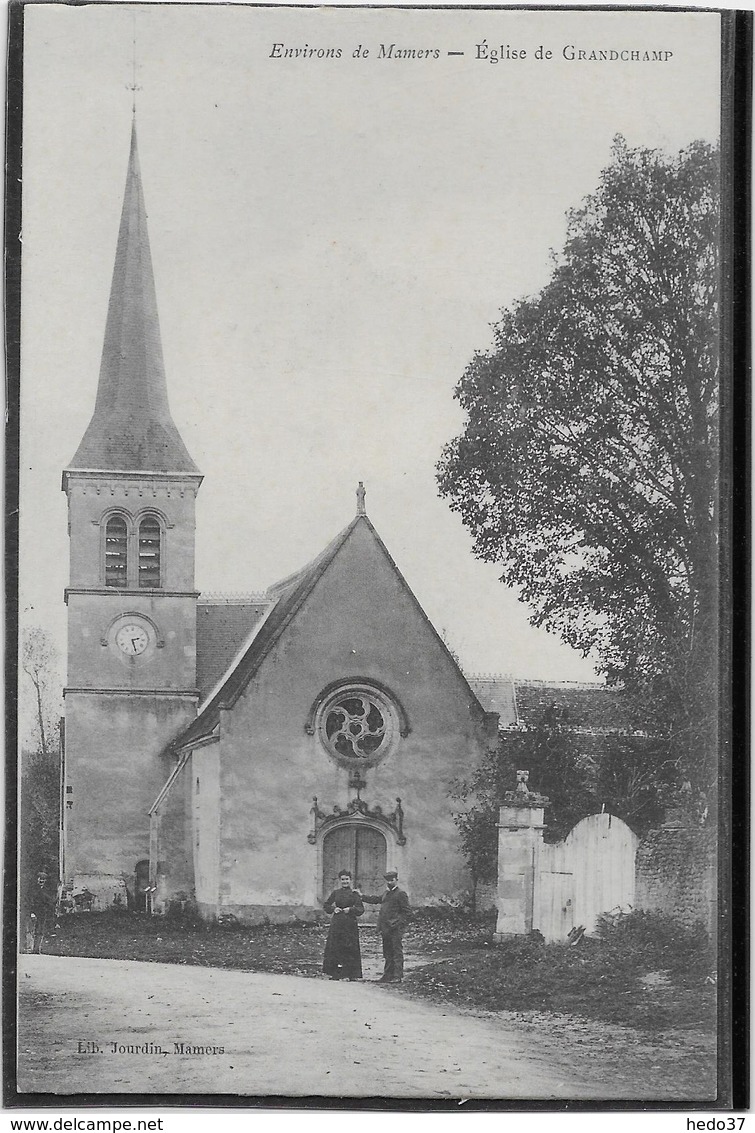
x: 235, y: 753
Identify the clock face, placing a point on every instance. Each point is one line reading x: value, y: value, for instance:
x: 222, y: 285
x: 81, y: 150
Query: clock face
x: 132, y: 639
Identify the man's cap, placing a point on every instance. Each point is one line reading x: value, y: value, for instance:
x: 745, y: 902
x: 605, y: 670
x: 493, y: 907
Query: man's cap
x: 391, y: 875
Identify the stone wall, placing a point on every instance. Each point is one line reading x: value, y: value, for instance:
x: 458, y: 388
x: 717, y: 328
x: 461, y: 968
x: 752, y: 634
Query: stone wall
x: 122, y: 711
x: 486, y: 896
x: 677, y: 874
x: 114, y: 773
x: 171, y: 850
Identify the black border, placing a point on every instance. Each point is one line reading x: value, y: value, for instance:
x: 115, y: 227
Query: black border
x: 734, y: 829
x: 736, y: 595
x: 12, y: 234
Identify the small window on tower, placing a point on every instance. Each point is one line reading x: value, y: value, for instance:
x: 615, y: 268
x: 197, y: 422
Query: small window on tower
x: 149, y: 553
x: 116, y: 553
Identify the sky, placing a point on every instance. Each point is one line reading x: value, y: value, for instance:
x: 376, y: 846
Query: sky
x: 332, y: 240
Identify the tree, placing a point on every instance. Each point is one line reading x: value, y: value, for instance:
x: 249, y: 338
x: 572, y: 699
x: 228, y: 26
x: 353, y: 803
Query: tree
x: 39, y: 660
x: 552, y: 756
x: 587, y: 468
x: 579, y: 774
x: 481, y: 796
x: 40, y: 768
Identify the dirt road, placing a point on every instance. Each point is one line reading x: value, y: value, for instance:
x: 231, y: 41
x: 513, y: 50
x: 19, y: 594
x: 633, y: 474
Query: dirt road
x: 101, y: 1026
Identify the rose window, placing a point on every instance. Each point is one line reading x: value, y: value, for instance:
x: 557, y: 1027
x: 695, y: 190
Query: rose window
x: 355, y: 727
x: 358, y: 726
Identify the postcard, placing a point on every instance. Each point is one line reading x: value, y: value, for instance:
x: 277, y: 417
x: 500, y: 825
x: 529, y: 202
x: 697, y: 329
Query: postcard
x: 370, y: 507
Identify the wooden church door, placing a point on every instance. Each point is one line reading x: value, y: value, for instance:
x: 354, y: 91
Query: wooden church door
x: 369, y: 859
x: 361, y: 849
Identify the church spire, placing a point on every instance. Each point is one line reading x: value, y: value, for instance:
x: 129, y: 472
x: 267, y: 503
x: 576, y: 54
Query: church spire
x: 132, y: 429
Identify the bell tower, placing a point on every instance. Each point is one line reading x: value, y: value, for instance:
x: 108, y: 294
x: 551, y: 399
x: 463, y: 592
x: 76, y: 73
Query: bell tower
x: 131, y: 490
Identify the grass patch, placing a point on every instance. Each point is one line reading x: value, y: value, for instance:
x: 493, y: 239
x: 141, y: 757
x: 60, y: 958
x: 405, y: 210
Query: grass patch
x: 645, y: 970
x: 294, y: 949
x: 448, y: 931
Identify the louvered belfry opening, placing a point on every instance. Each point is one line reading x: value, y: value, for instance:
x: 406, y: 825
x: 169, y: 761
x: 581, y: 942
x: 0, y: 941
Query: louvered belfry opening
x: 116, y: 553
x: 149, y: 553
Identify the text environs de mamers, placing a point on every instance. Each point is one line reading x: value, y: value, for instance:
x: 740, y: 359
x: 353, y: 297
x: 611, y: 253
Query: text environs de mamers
x: 384, y: 51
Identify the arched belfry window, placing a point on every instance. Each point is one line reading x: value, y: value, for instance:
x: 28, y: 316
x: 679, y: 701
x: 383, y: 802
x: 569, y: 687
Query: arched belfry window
x: 149, y: 552
x: 116, y: 552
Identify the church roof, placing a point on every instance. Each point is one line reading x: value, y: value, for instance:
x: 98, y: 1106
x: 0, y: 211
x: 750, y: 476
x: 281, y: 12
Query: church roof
x: 132, y: 429
x: 223, y: 624
x: 285, y: 599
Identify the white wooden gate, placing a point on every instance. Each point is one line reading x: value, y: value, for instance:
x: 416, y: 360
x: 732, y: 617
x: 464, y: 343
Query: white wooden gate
x: 590, y: 872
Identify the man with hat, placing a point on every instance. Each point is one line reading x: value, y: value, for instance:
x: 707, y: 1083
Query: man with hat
x: 392, y: 921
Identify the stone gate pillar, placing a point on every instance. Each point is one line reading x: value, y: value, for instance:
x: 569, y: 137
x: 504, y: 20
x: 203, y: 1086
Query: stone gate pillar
x: 520, y: 834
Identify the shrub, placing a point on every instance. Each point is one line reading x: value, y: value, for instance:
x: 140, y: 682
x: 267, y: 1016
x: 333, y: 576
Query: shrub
x: 658, y: 941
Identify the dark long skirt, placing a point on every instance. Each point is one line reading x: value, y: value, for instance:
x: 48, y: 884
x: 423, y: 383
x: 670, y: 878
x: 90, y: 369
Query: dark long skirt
x: 343, y: 959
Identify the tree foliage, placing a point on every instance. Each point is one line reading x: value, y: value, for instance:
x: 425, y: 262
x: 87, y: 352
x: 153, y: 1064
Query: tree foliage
x: 39, y: 764
x: 39, y: 661
x: 580, y: 775
x: 588, y: 464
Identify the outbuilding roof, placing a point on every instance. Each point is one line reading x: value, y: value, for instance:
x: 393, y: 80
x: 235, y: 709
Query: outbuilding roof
x: 578, y: 705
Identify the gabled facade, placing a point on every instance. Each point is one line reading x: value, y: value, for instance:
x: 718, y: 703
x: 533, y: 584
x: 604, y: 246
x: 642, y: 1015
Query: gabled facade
x: 331, y: 742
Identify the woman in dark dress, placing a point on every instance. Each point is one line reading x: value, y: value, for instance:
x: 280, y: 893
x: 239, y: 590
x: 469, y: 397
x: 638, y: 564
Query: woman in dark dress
x: 343, y: 960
